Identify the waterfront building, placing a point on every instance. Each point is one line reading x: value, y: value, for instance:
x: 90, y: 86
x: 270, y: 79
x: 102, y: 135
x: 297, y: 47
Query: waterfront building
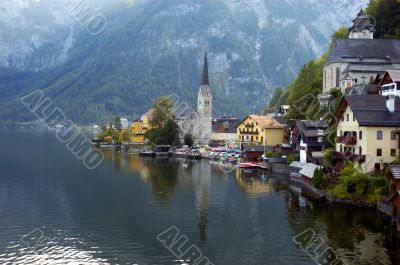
x: 368, y: 130
x: 260, y: 130
x: 124, y: 123
x: 308, y: 138
x: 224, y: 130
x: 198, y: 123
x: 354, y: 63
x: 141, y: 126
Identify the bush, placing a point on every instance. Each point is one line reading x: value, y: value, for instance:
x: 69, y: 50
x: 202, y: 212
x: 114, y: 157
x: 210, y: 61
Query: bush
x: 293, y: 157
x: 320, y: 179
x: 340, y: 191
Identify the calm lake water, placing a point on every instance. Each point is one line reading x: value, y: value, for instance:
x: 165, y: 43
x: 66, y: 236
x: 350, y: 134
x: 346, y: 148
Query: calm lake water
x: 55, y: 211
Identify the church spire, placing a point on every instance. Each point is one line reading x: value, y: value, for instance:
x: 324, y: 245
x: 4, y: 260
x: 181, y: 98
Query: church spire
x: 205, y: 81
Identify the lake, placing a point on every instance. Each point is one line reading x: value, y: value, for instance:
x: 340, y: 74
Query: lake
x: 130, y: 210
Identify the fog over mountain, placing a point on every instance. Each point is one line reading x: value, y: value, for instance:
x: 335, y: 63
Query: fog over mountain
x: 149, y: 48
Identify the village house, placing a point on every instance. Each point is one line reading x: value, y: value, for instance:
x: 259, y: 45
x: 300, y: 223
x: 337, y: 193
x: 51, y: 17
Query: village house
x: 308, y: 138
x: 141, y: 126
x: 224, y: 130
x: 261, y: 130
x: 356, y: 61
x: 367, y: 130
x: 283, y: 110
x: 390, y: 83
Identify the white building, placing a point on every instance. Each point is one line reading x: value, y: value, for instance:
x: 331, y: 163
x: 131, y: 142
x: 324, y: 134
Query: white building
x: 357, y: 60
x: 198, y: 123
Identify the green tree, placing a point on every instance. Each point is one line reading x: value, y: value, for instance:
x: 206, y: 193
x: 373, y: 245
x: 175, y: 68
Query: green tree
x: 165, y: 130
x: 162, y: 112
x: 118, y: 124
x: 320, y: 179
x: 189, y: 139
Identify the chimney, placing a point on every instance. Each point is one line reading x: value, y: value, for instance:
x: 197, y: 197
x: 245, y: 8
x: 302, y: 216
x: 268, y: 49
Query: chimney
x: 390, y: 101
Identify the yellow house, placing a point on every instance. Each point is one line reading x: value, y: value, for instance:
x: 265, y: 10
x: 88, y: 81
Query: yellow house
x: 260, y: 130
x: 141, y: 126
x: 367, y: 130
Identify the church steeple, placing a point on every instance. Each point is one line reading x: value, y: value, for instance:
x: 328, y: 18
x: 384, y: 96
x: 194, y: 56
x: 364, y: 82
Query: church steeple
x: 205, y: 81
x: 363, y: 27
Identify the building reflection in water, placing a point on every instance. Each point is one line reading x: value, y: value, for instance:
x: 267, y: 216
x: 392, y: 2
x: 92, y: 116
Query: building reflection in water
x: 164, y: 174
x: 254, y: 183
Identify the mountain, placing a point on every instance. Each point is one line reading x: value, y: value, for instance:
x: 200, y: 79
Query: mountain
x: 154, y: 48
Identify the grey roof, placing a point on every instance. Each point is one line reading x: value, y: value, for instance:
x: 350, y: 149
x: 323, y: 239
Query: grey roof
x: 363, y: 90
x: 229, y: 123
x: 394, y: 75
x: 297, y: 164
x: 364, y: 50
x: 205, y: 81
x: 370, y: 110
x: 308, y: 170
x: 281, y: 120
x: 257, y: 148
x: 185, y: 112
x: 395, y: 169
x: 361, y: 22
x: 310, y: 129
x: 375, y: 68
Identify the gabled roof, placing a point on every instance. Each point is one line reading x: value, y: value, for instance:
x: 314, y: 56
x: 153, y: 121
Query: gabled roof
x: 264, y: 121
x: 309, y: 128
x: 369, y: 110
x: 375, y: 68
x: 228, y: 123
x: 364, y: 50
x: 394, y: 75
x: 308, y: 170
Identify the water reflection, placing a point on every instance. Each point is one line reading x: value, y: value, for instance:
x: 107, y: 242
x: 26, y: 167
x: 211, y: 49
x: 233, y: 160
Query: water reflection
x: 358, y: 236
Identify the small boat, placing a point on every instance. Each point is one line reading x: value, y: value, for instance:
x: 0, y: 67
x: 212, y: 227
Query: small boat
x: 106, y: 146
x: 248, y: 165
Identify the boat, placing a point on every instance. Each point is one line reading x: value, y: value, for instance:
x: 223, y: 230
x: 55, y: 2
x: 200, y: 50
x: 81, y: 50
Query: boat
x: 248, y: 165
x: 106, y: 146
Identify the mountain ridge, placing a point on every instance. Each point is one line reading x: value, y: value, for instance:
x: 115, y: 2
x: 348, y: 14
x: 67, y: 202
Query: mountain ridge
x: 158, y: 51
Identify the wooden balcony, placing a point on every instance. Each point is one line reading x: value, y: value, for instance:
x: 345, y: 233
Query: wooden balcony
x: 249, y: 133
x: 351, y: 156
x: 347, y: 140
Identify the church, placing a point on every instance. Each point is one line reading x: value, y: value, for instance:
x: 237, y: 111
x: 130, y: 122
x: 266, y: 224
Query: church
x: 198, y: 123
x: 357, y: 60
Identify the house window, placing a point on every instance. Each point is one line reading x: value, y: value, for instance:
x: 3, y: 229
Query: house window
x: 341, y: 148
x: 360, y: 150
x: 252, y: 138
x: 379, y: 135
x: 242, y: 138
x: 341, y: 133
x: 393, y: 152
x: 262, y: 139
x: 378, y: 152
x: 393, y: 135
x: 347, y: 117
x: 354, y: 117
x: 360, y: 135
x: 257, y: 138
